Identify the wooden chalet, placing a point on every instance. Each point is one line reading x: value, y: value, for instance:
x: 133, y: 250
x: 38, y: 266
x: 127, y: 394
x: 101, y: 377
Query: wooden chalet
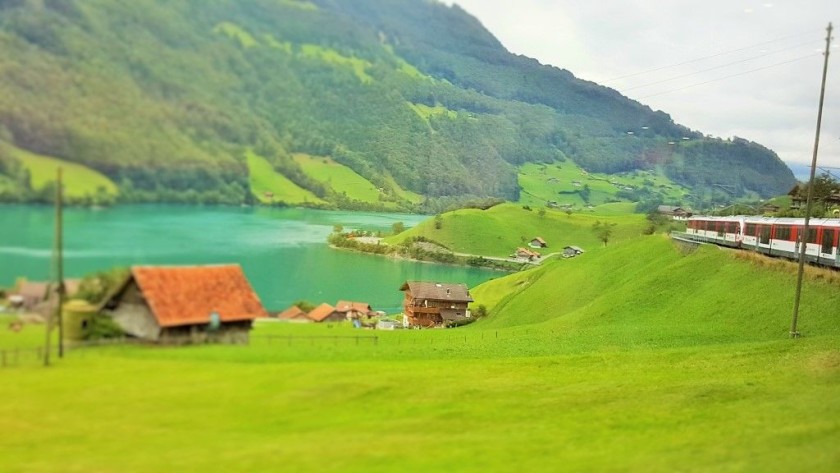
x: 428, y: 304
x: 188, y: 304
x: 326, y: 313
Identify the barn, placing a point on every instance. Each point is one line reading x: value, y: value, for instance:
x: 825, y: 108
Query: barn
x: 186, y: 304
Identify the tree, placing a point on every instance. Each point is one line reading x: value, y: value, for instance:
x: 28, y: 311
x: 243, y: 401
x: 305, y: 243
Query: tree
x: 541, y: 212
x: 603, y: 230
x: 398, y: 227
x: 480, y: 311
x: 438, y: 222
x: 338, y: 228
x: 304, y: 305
x: 585, y: 192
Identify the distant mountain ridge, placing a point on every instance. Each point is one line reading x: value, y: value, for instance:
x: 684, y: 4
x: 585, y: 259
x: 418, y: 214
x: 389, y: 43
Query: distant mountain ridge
x: 169, y: 100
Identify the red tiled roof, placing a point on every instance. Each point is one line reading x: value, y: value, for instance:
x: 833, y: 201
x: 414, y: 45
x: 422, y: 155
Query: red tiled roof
x: 347, y: 306
x: 188, y: 295
x: 292, y: 312
x: 321, y: 312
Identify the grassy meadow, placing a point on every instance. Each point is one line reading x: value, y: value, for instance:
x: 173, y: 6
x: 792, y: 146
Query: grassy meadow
x: 498, y: 231
x: 639, y: 357
x: 561, y: 182
x: 79, y: 180
x: 264, y: 179
x: 340, y: 178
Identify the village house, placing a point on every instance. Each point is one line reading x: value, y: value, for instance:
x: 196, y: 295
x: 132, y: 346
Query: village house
x: 676, y: 213
x: 30, y: 295
x: 428, y: 304
x: 326, y: 313
x: 293, y: 314
x: 354, y: 310
x: 572, y: 251
x: 187, y: 304
x: 526, y: 254
x: 538, y: 242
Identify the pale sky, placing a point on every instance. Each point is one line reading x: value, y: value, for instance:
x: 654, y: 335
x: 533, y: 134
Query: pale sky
x: 607, y: 41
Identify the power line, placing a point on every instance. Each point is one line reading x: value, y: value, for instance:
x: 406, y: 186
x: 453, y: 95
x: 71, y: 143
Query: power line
x: 729, y: 76
x: 708, y: 57
x: 716, y: 67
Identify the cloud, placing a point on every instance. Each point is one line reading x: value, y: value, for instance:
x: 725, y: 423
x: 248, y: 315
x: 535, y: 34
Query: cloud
x: 606, y: 41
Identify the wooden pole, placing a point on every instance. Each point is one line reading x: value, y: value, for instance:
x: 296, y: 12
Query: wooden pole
x: 59, y: 248
x: 803, y: 244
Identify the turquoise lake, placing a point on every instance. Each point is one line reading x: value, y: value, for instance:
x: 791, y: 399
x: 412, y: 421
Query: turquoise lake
x: 282, y: 251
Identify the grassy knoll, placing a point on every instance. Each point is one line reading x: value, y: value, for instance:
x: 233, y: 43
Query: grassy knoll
x: 264, y: 179
x: 339, y: 177
x: 557, y: 182
x: 499, y: 230
x: 636, y: 358
x: 79, y: 180
x: 406, y: 195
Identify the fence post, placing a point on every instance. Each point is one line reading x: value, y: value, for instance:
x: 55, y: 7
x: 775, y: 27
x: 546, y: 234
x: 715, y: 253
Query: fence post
x: 376, y: 339
x: 4, y: 358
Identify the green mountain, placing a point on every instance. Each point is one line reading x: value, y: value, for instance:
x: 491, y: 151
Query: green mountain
x: 275, y: 100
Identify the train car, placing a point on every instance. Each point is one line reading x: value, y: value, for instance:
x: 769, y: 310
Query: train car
x: 772, y: 236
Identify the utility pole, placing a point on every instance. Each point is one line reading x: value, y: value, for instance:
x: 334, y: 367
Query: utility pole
x: 59, y: 249
x: 803, y: 244
x: 60, y: 280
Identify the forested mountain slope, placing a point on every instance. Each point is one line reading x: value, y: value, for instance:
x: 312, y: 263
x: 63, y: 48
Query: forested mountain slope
x: 167, y: 99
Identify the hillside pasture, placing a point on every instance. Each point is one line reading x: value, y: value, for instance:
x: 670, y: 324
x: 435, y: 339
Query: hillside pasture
x: 79, y: 180
x: 563, y: 183
x: 340, y: 178
x: 264, y: 178
x: 498, y: 231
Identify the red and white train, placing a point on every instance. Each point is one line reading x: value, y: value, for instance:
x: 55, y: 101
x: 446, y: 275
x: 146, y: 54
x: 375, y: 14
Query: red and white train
x: 772, y: 236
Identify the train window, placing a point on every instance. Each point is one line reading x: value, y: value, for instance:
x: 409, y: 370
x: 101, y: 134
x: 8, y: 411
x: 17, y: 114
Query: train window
x: 721, y: 228
x: 751, y: 229
x: 812, y: 235
x: 765, y: 235
x: 783, y: 233
x: 827, y: 240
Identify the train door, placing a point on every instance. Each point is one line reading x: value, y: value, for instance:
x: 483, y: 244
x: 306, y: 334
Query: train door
x: 764, y: 237
x: 827, y: 248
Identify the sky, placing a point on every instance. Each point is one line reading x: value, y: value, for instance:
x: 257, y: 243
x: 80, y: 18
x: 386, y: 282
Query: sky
x: 742, y: 68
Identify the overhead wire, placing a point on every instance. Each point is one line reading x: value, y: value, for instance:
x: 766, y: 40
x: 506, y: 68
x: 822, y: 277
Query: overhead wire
x: 733, y: 63
x: 730, y: 76
x: 723, y: 53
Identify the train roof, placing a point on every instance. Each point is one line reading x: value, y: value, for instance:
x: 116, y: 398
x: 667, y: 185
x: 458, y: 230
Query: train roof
x: 823, y: 222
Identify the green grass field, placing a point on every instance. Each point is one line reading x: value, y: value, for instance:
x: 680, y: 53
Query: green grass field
x: 79, y: 180
x: 499, y: 230
x: 339, y: 177
x: 636, y: 358
x: 556, y: 182
x: 264, y: 179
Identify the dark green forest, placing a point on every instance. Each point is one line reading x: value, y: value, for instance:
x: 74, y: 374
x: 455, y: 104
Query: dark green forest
x: 165, y: 97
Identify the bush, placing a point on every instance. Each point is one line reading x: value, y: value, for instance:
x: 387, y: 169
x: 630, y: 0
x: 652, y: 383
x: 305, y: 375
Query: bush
x: 102, y: 327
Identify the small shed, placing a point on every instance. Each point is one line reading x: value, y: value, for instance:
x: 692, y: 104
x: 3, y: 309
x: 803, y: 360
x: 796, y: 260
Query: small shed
x: 326, y: 313
x: 538, y: 242
x: 572, y: 251
x: 185, y: 304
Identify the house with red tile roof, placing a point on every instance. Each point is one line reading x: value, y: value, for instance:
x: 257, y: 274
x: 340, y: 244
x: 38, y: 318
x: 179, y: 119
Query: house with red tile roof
x: 185, y: 304
x: 294, y: 314
x: 326, y: 313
